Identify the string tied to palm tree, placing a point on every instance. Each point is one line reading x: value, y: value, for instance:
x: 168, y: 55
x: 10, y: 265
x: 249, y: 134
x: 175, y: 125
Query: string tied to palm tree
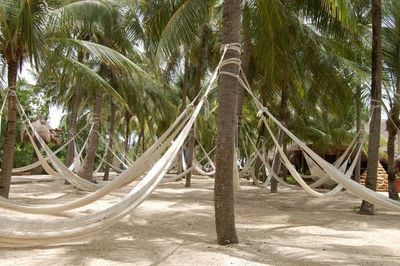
x: 377, y: 103
x: 232, y: 46
x: 231, y: 61
x: 96, y: 118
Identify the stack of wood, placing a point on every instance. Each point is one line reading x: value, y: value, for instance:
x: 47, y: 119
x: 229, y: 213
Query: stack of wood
x: 382, y: 179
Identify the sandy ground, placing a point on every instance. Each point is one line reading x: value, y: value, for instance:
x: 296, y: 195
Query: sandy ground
x: 175, y: 226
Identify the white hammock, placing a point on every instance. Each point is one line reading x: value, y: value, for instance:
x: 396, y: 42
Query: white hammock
x: 17, y: 232
x: 38, y: 163
x: 334, y: 173
x: 141, y: 165
x: 198, y: 168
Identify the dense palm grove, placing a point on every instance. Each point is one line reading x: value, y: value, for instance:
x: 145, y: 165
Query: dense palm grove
x: 130, y: 68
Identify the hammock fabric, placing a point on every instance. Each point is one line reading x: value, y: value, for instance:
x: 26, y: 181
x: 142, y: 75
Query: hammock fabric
x: 17, y: 232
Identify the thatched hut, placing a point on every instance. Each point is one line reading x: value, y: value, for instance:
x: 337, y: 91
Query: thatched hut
x: 48, y: 134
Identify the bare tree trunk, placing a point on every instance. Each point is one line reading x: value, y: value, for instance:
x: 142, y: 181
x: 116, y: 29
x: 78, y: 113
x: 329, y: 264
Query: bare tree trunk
x: 247, y: 52
x: 74, y: 117
x: 109, y: 156
x: 392, y: 126
x: 127, y: 118
x: 11, y: 130
x: 143, y: 140
x: 184, y: 95
x: 261, y: 134
x: 282, y: 118
x: 391, y: 164
x: 226, y: 129
x: 376, y: 95
x: 191, y: 150
x: 192, y: 140
x: 87, y: 168
x: 357, y: 171
x: 73, y: 123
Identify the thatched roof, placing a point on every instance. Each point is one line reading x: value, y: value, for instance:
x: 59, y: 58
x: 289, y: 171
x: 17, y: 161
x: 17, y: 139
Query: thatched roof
x: 48, y: 134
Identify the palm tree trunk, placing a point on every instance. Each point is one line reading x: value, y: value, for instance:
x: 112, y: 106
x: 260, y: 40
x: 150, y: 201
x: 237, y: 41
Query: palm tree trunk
x: 87, y: 167
x: 139, y: 142
x: 376, y: 95
x: 392, y: 126
x: 109, y: 156
x: 11, y: 131
x: 247, y: 52
x: 192, y: 140
x: 127, y: 118
x: 391, y: 164
x: 226, y: 129
x: 262, y: 131
x: 184, y: 95
x: 282, y: 118
x: 143, y: 141
x: 357, y: 171
x: 73, y: 124
x: 74, y: 117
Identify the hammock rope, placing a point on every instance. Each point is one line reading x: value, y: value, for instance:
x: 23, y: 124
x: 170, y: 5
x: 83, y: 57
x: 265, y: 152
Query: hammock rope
x: 17, y: 232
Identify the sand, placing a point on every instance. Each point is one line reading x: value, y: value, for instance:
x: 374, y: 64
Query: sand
x: 175, y: 226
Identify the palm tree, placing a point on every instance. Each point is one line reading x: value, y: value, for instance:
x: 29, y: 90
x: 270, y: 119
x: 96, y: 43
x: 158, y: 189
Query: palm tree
x: 111, y: 133
x: 391, y: 49
x: 376, y: 98
x: 21, y: 26
x: 226, y: 129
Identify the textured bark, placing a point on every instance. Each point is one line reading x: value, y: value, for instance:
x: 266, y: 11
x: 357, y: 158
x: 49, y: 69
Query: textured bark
x: 11, y: 131
x: 226, y: 129
x: 111, y: 132
x: 246, y: 57
x: 357, y: 170
x: 392, y: 126
x: 192, y: 141
x: 282, y: 118
x: 87, y: 167
x: 191, y: 150
x: 72, y: 126
x: 376, y: 95
x: 127, y: 118
x: 76, y: 98
x: 391, y: 165
x: 143, y: 141
x: 184, y: 96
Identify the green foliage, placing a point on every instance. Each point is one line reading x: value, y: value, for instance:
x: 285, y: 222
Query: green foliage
x: 291, y: 180
x: 32, y: 98
x: 23, y: 154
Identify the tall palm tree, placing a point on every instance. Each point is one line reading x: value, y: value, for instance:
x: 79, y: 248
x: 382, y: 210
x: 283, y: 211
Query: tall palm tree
x: 226, y: 129
x: 376, y: 98
x: 391, y: 49
x: 21, y: 27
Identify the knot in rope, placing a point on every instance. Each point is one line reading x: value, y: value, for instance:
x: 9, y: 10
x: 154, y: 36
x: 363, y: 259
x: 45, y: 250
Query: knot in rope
x: 231, y: 61
x: 235, y: 46
x: 262, y: 110
x: 377, y: 103
x: 190, y: 106
x: 12, y: 93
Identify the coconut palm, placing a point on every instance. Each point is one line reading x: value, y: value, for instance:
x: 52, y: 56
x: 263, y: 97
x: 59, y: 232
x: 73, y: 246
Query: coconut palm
x: 226, y: 129
x: 376, y: 97
x: 21, y: 27
x: 391, y: 57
